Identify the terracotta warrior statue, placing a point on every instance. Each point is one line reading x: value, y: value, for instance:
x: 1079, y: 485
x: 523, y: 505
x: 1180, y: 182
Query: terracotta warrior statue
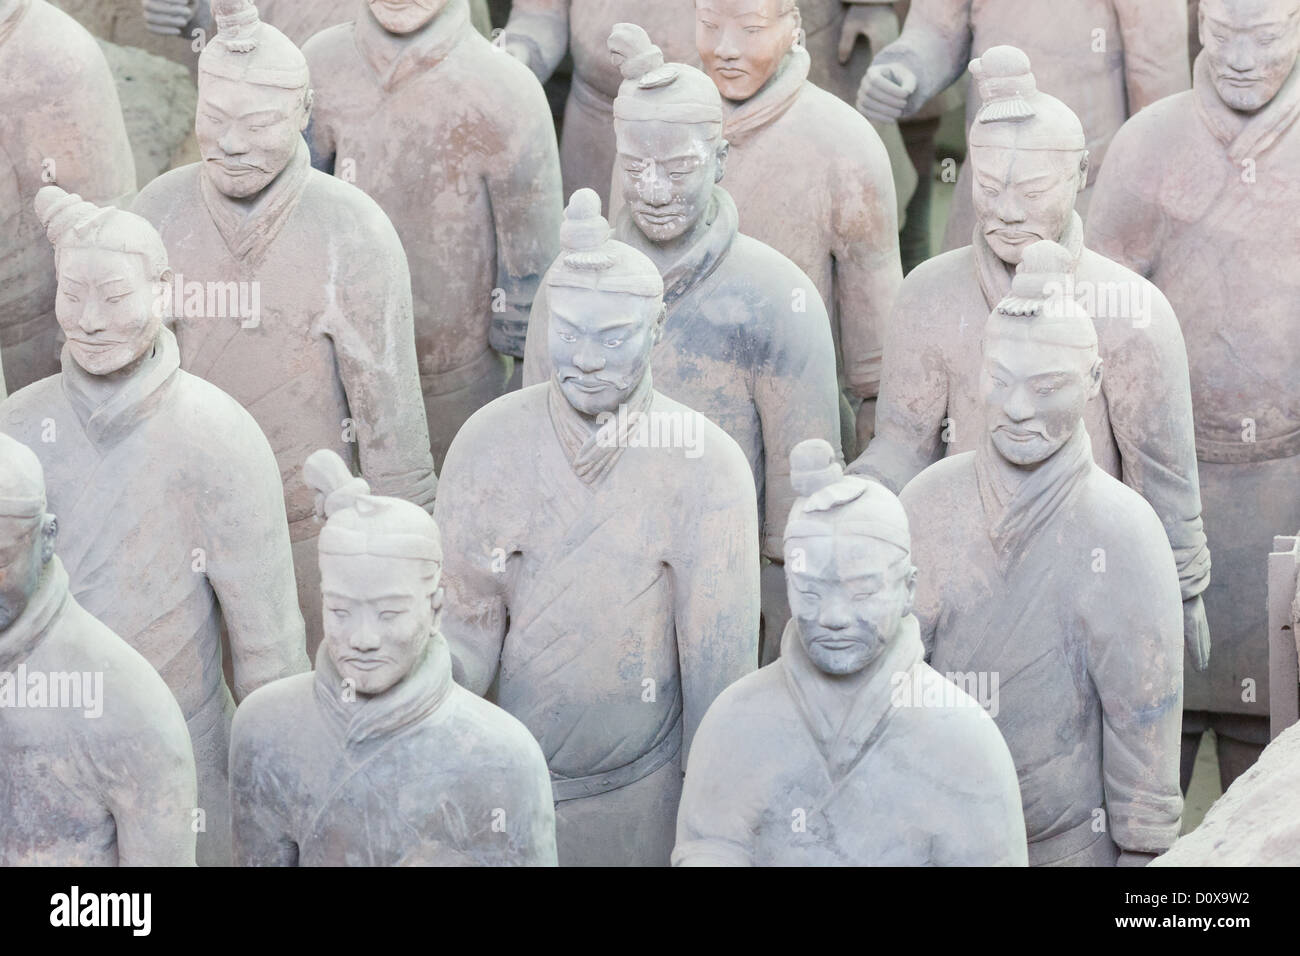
x: 1042, y: 571
x: 320, y: 347
x: 1105, y: 59
x: 166, y: 489
x: 602, y: 556
x: 1029, y: 160
x: 60, y: 122
x: 810, y: 177
x: 850, y: 750
x: 379, y: 758
x: 746, y: 341
x: 455, y: 142
x: 1202, y: 195
x: 299, y: 20
x: 98, y: 769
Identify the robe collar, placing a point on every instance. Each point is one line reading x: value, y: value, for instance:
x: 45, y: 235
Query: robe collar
x: 12, y: 18
x: 698, y: 262
x: 1245, y: 135
x: 359, y: 719
x: 593, y: 451
x: 395, y: 58
x: 249, y: 230
x: 766, y: 106
x: 1017, y: 515
x: 994, y: 277
x: 137, y: 398
x: 844, y: 735
x: 19, y: 640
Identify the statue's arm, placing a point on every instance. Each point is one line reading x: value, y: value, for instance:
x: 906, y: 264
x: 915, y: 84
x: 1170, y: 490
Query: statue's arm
x: 537, y: 358
x: 151, y: 787
x: 913, y: 401
x: 1135, y: 659
x: 714, y: 825
x: 475, y: 611
x: 1156, y: 62
x: 935, y: 45
x: 716, y: 582
x: 868, y: 265
x: 538, y: 34
x: 250, y: 565
x: 527, y: 211
x: 986, y: 823
x: 260, y: 830
x: 1125, y: 222
x: 797, y: 396
x: 374, y: 343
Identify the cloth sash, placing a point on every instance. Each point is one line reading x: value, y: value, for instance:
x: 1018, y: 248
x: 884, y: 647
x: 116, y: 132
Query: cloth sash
x: 593, y: 785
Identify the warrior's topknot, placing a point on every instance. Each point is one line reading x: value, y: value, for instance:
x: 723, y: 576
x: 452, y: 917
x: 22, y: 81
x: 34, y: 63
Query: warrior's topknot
x: 832, y: 502
x: 592, y: 260
x: 237, y: 22
x: 1041, y: 305
x: 71, y: 221
x: 655, y: 90
x: 1014, y: 112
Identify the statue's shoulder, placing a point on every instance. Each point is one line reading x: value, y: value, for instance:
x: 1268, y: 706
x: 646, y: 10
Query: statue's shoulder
x: 338, y: 205
x: 276, y: 709
x: 1120, y: 514
x: 951, y: 479
x: 498, y: 737
x: 330, y: 46
x: 22, y: 413
x: 746, y: 707
x: 1156, y: 130
x: 221, y: 426
x: 937, y: 278
x: 503, y: 427
x: 161, y: 197
x: 727, y: 464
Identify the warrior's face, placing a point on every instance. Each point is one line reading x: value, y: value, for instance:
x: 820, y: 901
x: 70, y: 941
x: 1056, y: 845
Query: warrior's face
x: 848, y: 592
x: 668, y: 171
x: 1034, y: 391
x: 26, y: 547
x: 1251, y: 47
x: 108, y: 307
x: 600, y: 344
x: 405, y: 16
x: 742, y: 42
x: 1023, y: 196
x: 379, y: 614
x: 247, y: 133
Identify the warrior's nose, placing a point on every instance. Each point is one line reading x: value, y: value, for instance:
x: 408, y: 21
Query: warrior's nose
x: 834, y: 615
x: 727, y: 48
x: 1241, y: 57
x: 364, y: 638
x: 654, y: 188
x: 1018, y: 407
x: 587, y: 359
x: 231, y: 143
x: 1008, y: 208
x: 92, y: 318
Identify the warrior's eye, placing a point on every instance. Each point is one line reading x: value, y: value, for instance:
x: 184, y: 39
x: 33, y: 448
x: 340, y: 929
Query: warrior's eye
x: 566, y: 337
x: 752, y: 30
x: 613, y: 343
x: 70, y: 297
x: 1034, y: 195
x: 340, y: 613
x: 388, y: 615
x: 118, y: 298
x: 1047, y: 389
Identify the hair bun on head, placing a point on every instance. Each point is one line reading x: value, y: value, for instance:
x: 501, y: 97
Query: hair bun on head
x: 813, y: 466
x: 337, y: 487
x: 60, y: 211
x: 584, y: 232
x: 1005, y: 84
x: 237, y: 22
x: 637, y: 58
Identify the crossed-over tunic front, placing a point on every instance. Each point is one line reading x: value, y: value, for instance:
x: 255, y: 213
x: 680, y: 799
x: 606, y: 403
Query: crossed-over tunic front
x: 611, y: 590
x: 424, y: 774
x: 912, y: 773
x: 454, y: 140
x: 1062, y: 588
x: 172, y: 523
x: 113, y: 789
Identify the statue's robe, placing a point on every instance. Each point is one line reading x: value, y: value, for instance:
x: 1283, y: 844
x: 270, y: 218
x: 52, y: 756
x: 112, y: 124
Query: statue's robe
x: 300, y: 20
x: 1140, y: 424
x: 611, y: 588
x: 424, y: 774
x: 1208, y: 207
x: 116, y: 789
x: 330, y: 362
x: 455, y: 142
x: 172, y: 521
x: 912, y: 773
x: 811, y: 179
x: 587, y: 148
x: 1064, y: 590
x: 60, y: 122
x: 1104, y: 59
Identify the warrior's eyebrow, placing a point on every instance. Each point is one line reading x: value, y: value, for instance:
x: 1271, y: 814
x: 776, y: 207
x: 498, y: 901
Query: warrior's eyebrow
x: 1271, y: 25
x: 263, y: 114
x: 111, y: 280
x: 610, y: 327
x: 366, y: 599
x: 1045, y: 177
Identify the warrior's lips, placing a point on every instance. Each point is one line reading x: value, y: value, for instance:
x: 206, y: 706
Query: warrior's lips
x: 101, y: 346
x: 1017, y: 435
x: 364, y: 663
x: 730, y: 72
x: 658, y: 218
x: 1014, y: 236
x: 588, y: 386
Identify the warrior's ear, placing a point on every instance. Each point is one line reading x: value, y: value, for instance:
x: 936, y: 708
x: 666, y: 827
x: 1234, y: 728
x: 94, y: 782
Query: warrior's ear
x: 723, y: 151
x: 308, y: 98
x: 1094, y: 378
x: 1085, y: 163
x: 49, y: 534
x: 657, y: 333
x: 910, y: 584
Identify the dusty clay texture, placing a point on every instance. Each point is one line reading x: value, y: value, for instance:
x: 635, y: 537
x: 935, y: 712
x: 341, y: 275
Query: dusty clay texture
x: 850, y: 750
x: 810, y: 177
x: 379, y: 758
x: 455, y: 142
x: 60, y: 122
x: 296, y: 299
x: 601, y: 557
x: 158, y: 99
x: 746, y: 341
x: 1257, y: 821
x: 1105, y: 59
x: 98, y: 769
x: 1053, y: 584
x: 1215, y: 230
x: 129, y: 444
x: 1029, y: 165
